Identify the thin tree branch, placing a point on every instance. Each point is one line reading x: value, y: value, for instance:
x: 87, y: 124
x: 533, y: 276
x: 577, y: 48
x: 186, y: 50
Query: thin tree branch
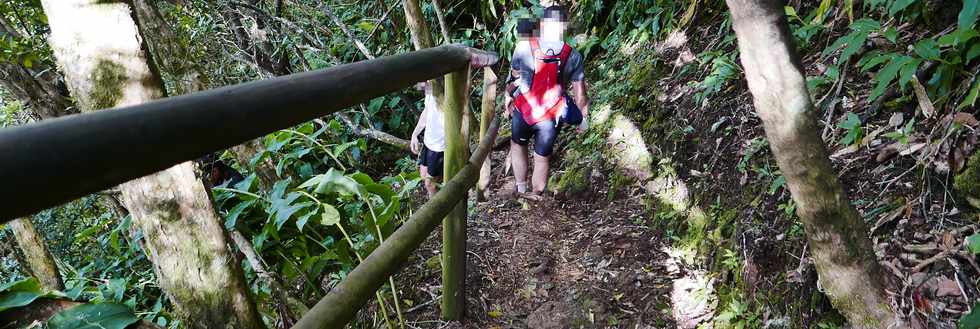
x: 442, y: 22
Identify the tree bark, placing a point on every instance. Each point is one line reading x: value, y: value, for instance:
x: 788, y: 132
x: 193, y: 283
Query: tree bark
x: 421, y: 36
x: 106, y: 65
x: 454, y: 225
x: 39, y: 89
x: 486, y: 115
x: 175, y: 61
x: 39, y: 260
x: 440, y: 17
x: 849, y: 271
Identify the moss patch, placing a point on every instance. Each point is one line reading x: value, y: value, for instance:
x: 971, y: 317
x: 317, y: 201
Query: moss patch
x: 967, y: 183
x: 107, y: 84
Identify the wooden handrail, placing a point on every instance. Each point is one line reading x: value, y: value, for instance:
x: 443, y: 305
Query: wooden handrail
x: 54, y: 161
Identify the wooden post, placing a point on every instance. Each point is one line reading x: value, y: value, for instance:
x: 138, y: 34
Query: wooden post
x: 486, y: 114
x: 344, y: 300
x: 454, y: 225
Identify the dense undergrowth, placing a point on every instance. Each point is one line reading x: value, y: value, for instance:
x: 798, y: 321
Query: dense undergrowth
x: 895, y: 83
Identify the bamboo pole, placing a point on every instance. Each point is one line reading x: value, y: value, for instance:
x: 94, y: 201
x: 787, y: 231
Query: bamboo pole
x: 340, y: 305
x: 486, y: 114
x: 454, y: 225
x: 53, y: 161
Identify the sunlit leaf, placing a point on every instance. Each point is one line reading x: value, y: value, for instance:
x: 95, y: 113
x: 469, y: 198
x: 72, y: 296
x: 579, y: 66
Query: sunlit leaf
x: 973, y: 244
x: 330, y: 215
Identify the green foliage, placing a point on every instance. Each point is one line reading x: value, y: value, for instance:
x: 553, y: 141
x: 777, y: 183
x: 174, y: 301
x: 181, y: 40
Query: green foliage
x: 723, y: 70
x: 972, y: 320
x: 20, y: 293
x: 93, y: 316
x: 973, y: 244
x: 852, y: 125
x: 83, y: 316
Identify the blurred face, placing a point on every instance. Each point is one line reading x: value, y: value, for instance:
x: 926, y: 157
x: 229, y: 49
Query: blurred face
x: 552, y: 29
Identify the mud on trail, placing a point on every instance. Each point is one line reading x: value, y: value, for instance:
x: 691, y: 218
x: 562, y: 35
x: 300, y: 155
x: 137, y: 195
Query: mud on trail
x: 578, y: 262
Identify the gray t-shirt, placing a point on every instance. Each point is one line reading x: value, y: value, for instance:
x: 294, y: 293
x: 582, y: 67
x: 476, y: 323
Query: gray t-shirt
x: 523, y: 61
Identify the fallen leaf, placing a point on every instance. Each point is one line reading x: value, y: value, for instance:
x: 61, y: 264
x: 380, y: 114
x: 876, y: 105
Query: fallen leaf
x: 925, y: 104
x: 965, y: 119
x: 947, y: 287
x: 912, y: 149
x: 897, y: 119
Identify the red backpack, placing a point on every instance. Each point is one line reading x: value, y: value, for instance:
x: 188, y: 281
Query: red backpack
x: 547, y: 95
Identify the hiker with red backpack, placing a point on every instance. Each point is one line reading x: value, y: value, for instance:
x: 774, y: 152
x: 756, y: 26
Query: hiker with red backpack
x: 542, y: 70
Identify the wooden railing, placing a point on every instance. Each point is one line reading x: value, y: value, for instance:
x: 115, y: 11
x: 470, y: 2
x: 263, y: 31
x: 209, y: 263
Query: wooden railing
x: 54, y: 161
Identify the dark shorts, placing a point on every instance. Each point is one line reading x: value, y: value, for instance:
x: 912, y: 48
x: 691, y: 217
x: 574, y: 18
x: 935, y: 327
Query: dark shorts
x: 545, y: 133
x: 431, y: 160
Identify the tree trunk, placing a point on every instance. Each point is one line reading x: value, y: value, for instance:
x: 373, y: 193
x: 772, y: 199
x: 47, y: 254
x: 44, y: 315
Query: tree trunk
x: 486, y: 115
x: 40, y: 90
x: 421, y: 37
x: 175, y: 62
x: 441, y: 19
x: 454, y: 225
x: 849, y: 271
x: 39, y: 260
x: 99, y: 47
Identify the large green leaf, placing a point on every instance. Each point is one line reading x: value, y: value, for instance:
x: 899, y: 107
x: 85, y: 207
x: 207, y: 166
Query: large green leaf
x: 969, y: 13
x: 330, y: 215
x: 972, y: 320
x: 971, y: 96
x: 93, y: 316
x: 335, y: 182
x: 19, y: 293
x: 973, y: 244
x: 927, y: 48
x: 898, y: 5
x: 888, y: 74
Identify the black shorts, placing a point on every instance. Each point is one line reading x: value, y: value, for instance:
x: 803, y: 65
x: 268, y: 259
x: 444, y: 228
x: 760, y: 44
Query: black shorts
x: 545, y: 132
x: 431, y: 160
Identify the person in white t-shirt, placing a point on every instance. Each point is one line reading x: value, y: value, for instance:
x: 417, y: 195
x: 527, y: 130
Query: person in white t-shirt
x: 433, y: 144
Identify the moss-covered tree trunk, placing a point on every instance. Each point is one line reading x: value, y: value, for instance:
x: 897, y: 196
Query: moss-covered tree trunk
x: 421, y: 36
x: 39, y: 260
x: 846, y: 264
x: 454, y: 225
x: 99, y: 47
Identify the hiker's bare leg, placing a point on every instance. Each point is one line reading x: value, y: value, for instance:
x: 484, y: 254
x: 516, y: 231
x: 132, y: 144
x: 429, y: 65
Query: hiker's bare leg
x: 539, y: 178
x: 428, y: 181
x: 518, y: 158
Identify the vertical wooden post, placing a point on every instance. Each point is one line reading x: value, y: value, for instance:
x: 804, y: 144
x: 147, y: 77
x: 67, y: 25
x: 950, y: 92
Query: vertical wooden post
x: 486, y: 115
x: 454, y: 225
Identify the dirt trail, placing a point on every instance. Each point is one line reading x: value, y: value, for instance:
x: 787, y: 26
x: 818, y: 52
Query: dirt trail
x: 577, y: 262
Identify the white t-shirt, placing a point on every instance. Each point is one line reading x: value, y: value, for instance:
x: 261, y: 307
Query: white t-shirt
x: 435, y: 131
